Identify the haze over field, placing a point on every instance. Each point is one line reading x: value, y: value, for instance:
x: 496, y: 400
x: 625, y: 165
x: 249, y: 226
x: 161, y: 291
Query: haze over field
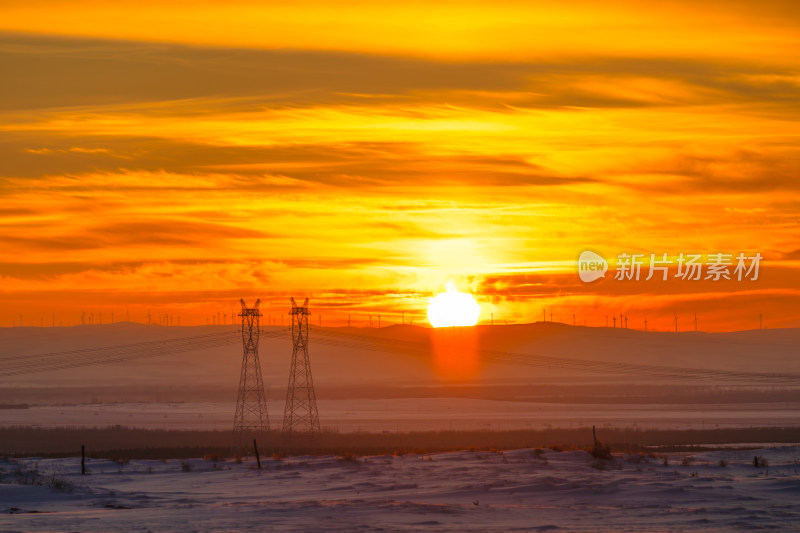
x: 407, y: 378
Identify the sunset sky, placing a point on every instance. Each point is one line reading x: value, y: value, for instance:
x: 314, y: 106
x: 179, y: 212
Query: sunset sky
x: 172, y: 157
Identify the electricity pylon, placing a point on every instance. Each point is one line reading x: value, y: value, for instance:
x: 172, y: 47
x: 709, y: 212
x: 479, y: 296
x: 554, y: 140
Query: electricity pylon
x: 251, y: 419
x: 300, y: 414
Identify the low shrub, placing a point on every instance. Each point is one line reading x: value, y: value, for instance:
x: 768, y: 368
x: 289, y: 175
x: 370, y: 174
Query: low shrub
x: 349, y: 457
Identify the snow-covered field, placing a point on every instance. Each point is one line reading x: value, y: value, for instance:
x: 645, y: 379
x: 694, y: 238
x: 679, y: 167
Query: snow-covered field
x: 526, y: 490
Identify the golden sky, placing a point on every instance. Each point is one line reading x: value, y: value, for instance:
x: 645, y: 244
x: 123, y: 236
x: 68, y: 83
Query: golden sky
x: 172, y: 157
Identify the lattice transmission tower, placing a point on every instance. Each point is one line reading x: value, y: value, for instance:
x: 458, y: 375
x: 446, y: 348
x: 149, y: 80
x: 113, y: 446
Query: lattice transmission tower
x: 300, y: 414
x: 251, y: 419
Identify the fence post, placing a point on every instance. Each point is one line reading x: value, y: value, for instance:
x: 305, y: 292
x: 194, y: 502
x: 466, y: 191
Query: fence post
x: 258, y: 459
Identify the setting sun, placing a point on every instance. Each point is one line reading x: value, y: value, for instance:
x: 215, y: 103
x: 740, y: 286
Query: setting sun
x: 453, y: 308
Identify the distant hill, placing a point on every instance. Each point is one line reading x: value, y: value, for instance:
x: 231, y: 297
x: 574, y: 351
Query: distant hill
x: 405, y: 356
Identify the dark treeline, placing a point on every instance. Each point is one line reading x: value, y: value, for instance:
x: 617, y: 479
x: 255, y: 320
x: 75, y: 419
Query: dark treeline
x: 120, y: 441
x: 585, y: 393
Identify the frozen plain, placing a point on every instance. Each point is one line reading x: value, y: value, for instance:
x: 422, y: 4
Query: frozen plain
x: 518, y: 490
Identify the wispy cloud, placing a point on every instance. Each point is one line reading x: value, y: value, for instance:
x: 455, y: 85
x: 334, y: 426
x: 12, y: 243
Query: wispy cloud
x: 190, y: 173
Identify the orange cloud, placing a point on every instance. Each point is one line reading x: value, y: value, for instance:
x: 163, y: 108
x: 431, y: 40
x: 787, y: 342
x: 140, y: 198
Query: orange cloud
x: 345, y: 158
